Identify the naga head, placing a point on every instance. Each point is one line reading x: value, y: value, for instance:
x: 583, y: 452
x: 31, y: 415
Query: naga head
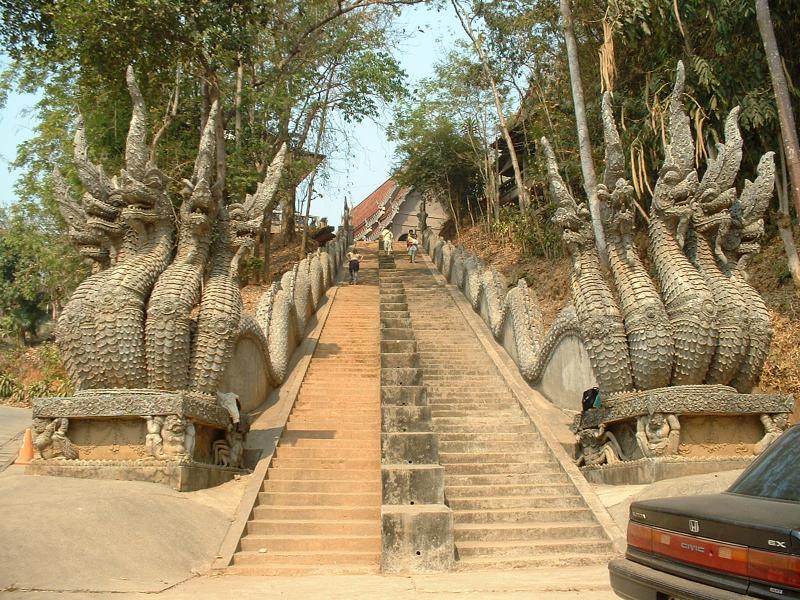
x: 132, y: 200
x: 743, y: 238
x: 201, y: 198
x: 92, y: 244
x: 141, y: 185
x: 245, y: 218
x: 615, y: 193
x: 677, y: 180
x: 571, y: 217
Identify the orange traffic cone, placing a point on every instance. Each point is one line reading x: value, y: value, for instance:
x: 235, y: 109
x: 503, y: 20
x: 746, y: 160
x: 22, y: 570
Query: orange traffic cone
x: 26, y: 450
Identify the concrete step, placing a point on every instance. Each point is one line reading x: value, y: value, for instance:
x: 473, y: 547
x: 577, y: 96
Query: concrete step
x: 369, y: 565
x: 311, y: 559
x: 525, y: 531
x: 482, y: 446
x: 322, y: 485
x: 519, y: 457
x: 318, y: 513
x: 497, y: 501
x: 445, y: 425
x: 332, y: 463
x: 334, y: 444
x: 327, y: 433
x: 534, y: 561
x: 476, y: 413
x: 533, y: 548
x: 495, y: 436
x: 284, y: 527
x: 513, y: 515
x: 550, y: 487
x: 312, y: 543
x: 304, y: 422
x: 535, y: 475
x: 484, y: 468
x: 319, y: 499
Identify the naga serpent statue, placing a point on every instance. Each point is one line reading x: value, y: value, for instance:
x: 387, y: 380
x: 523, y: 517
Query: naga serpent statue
x: 168, y: 331
x: 107, y: 309
x: 696, y: 320
x: 220, y: 315
x: 155, y: 314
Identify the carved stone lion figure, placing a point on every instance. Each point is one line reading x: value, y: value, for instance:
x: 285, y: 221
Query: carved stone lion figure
x: 774, y: 426
x: 169, y: 437
x: 178, y: 436
x: 230, y: 451
x: 658, y: 434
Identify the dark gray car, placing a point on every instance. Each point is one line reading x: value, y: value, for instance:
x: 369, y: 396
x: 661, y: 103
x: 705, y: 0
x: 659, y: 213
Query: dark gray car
x: 742, y: 543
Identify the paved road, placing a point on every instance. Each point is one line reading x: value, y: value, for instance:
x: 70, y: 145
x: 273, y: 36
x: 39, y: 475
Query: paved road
x: 13, y: 422
x: 573, y: 583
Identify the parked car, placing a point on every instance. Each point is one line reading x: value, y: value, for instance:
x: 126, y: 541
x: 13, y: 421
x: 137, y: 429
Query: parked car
x: 743, y: 543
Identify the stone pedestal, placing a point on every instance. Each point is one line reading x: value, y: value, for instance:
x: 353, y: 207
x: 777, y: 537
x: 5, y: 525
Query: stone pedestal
x: 178, y: 439
x: 656, y: 434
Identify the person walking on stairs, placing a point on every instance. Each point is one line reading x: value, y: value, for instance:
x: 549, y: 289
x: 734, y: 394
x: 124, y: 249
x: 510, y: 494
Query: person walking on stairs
x: 413, y: 245
x: 354, y: 262
x: 387, y: 236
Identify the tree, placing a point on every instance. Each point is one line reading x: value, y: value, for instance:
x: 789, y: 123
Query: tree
x: 791, y: 147
x: 38, y: 270
x: 264, y: 63
x: 466, y: 23
x: 584, y: 141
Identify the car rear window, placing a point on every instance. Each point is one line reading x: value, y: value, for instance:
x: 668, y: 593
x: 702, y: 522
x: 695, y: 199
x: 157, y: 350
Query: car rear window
x: 775, y: 474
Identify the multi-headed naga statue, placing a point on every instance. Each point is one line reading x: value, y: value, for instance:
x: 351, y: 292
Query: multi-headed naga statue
x: 688, y: 339
x: 130, y: 325
x: 706, y: 324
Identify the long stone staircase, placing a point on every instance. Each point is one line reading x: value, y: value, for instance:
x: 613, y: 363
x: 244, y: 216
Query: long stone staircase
x: 319, y: 506
x: 513, y: 504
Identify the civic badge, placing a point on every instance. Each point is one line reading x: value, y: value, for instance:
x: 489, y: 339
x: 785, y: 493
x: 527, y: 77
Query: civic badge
x: 694, y: 526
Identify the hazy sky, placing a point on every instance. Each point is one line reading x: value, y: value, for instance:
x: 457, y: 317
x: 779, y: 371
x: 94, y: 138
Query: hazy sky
x: 358, y: 166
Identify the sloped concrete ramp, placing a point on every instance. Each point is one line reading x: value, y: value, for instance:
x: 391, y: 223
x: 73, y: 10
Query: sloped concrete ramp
x: 66, y: 534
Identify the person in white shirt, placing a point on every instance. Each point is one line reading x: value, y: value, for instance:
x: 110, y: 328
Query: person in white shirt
x: 413, y: 245
x: 387, y: 237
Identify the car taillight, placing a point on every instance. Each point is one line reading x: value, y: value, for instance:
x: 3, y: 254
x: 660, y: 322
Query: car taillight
x: 640, y: 536
x: 702, y: 552
x: 774, y: 568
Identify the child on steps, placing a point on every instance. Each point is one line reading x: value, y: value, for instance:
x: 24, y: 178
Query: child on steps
x: 354, y: 262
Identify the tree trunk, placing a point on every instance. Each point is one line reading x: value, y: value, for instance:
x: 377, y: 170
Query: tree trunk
x: 584, y: 142
x: 785, y: 222
x: 788, y: 129
x: 519, y: 178
x: 237, y: 102
x: 287, y: 213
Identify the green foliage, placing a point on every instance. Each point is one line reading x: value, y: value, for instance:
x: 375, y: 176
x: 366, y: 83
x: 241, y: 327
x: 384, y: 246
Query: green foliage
x: 530, y: 231
x: 38, y: 269
x: 7, y: 385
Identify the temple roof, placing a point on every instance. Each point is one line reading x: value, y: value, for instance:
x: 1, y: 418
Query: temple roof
x: 377, y: 210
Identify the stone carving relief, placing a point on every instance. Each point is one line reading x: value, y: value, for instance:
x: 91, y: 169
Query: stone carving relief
x: 658, y: 434
x: 230, y: 451
x: 50, y: 439
x: 598, y: 447
x: 170, y: 436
